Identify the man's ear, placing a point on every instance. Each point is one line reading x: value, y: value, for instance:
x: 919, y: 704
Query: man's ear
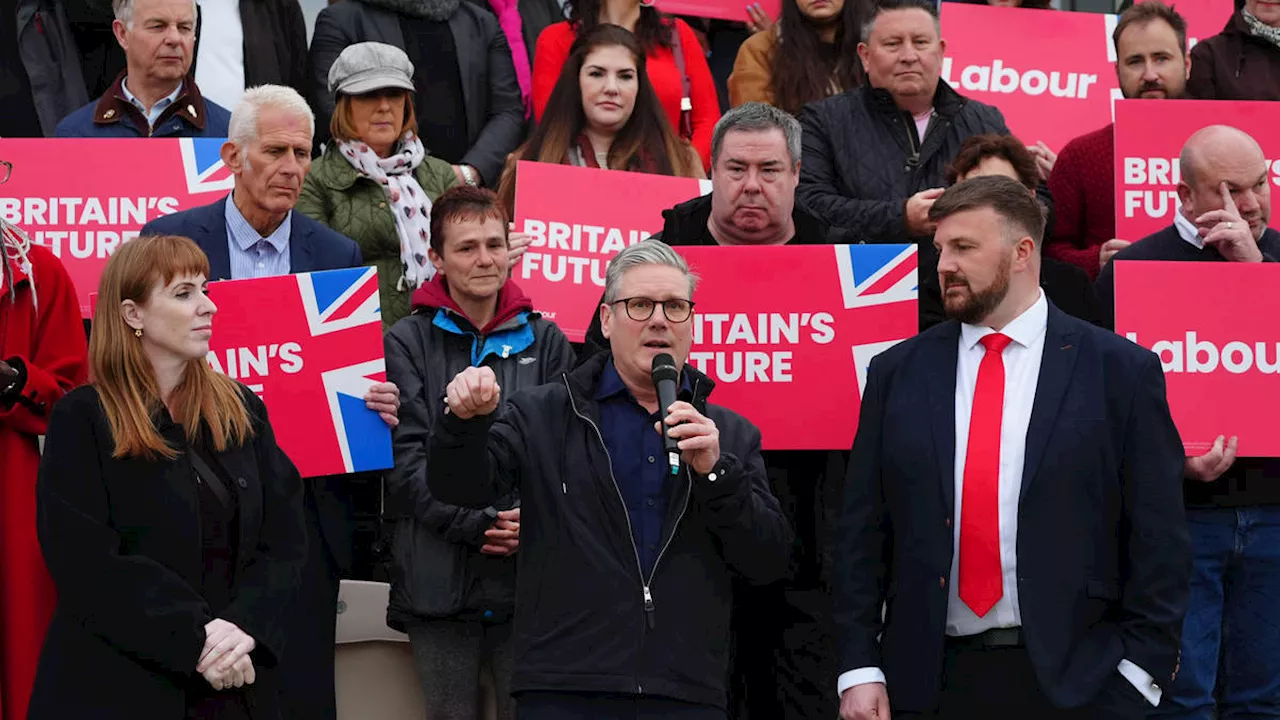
x: 232, y: 157
x: 606, y: 315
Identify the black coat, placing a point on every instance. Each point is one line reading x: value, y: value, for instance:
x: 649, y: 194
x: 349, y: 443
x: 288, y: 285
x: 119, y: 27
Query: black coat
x: 588, y: 622
x: 490, y: 92
x: 861, y: 163
x: 121, y: 538
x: 1103, y: 554
x: 437, y: 568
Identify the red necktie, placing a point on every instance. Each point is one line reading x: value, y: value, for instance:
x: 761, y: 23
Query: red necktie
x: 981, y: 582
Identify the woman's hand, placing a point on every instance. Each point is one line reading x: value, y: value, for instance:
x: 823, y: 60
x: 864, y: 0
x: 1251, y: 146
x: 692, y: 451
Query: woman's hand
x: 225, y: 646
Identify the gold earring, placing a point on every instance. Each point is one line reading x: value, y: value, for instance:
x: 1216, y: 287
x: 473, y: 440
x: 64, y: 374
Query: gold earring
x: 137, y: 332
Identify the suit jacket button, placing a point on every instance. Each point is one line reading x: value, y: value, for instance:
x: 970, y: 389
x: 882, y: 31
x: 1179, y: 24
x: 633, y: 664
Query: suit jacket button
x: 948, y: 522
x: 942, y: 582
x: 241, y: 482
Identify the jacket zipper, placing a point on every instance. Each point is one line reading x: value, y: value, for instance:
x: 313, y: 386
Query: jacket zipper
x: 646, y: 592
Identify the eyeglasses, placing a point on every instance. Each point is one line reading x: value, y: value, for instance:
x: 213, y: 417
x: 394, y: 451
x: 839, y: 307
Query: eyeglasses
x: 6, y: 169
x: 640, y: 309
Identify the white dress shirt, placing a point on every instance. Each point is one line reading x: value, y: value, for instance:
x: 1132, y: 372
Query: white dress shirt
x: 220, y: 59
x: 1021, y: 377
x: 1187, y: 230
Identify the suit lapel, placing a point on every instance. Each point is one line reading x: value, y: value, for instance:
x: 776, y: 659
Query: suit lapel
x: 216, y: 248
x: 1061, y: 348
x: 300, y: 255
x: 940, y: 385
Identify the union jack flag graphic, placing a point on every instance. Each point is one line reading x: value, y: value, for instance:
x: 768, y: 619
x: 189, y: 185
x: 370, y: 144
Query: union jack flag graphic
x: 202, y: 166
x: 873, y: 275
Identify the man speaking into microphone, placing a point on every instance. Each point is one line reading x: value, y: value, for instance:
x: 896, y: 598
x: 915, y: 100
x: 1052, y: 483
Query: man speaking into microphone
x: 623, y: 590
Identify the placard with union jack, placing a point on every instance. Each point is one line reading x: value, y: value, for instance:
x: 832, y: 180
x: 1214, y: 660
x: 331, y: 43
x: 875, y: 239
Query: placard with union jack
x: 83, y: 216
x: 786, y: 327
x: 311, y: 346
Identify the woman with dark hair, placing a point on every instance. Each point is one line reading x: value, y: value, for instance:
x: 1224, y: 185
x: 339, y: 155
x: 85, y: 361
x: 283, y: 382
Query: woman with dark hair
x: 603, y: 113
x: 171, y: 521
x: 676, y: 67
x: 809, y: 55
x: 1066, y: 286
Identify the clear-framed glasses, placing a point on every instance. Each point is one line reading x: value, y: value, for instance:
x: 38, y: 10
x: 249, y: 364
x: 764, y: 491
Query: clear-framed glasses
x: 640, y: 309
x: 6, y: 169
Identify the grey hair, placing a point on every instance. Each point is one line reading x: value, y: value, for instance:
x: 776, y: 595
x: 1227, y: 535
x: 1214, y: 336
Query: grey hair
x: 869, y: 24
x: 243, y: 128
x: 650, y: 251
x: 123, y: 10
x: 757, y: 117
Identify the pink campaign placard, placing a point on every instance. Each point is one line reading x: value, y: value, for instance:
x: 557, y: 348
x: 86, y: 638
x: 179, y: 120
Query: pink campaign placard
x: 579, y: 219
x: 1221, y: 359
x: 814, y: 317
x: 732, y: 10
x: 82, y: 212
x: 311, y: 346
x: 1051, y: 73
x: 1149, y: 139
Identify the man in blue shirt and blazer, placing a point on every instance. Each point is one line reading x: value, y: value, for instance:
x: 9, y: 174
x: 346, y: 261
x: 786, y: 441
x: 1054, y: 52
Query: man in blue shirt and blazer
x: 254, y: 233
x: 1013, y: 501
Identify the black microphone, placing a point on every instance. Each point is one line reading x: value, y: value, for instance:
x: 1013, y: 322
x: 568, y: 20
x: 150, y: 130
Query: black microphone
x: 665, y: 376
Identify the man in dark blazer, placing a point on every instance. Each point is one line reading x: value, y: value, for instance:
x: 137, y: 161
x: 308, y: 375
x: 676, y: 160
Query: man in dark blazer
x: 1027, y: 544
x: 254, y: 233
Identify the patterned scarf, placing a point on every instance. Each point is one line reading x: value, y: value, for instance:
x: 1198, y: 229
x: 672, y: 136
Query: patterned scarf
x: 409, y: 204
x: 1261, y: 29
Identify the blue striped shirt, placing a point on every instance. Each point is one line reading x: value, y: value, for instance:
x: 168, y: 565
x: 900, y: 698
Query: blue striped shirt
x: 253, y: 256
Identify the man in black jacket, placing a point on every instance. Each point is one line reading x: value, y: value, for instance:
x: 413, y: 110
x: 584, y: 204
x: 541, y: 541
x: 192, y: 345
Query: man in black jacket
x: 627, y: 563
x: 783, y: 657
x: 874, y: 156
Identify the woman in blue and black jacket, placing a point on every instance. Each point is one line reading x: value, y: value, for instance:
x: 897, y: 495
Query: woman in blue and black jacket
x: 453, y: 569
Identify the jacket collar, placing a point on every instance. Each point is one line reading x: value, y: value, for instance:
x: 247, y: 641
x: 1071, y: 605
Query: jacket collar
x: 584, y: 381
x: 685, y: 223
x: 946, y: 101
x: 113, y: 107
x: 333, y: 171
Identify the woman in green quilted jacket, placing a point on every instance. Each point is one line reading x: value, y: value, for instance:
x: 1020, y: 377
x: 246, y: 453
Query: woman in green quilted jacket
x: 375, y: 181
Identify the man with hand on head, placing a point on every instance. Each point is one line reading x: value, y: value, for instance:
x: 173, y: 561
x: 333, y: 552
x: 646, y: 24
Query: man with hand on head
x: 625, y: 586
x: 1009, y: 549
x: 1233, y: 504
x: 254, y: 233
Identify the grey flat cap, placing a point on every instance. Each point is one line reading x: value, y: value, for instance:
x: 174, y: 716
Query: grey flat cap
x: 368, y: 66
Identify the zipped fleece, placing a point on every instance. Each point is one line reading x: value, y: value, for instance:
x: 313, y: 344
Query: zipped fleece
x: 586, y: 620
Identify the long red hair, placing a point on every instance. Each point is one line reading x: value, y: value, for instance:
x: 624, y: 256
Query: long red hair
x: 124, y: 377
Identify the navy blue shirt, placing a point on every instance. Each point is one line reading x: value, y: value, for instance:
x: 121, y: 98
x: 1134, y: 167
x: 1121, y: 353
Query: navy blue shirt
x: 639, y: 462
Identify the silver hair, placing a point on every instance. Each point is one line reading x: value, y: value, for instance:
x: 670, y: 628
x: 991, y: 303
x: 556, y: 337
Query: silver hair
x: 650, y: 251
x: 757, y: 117
x: 243, y: 128
x: 123, y: 10
x: 869, y: 24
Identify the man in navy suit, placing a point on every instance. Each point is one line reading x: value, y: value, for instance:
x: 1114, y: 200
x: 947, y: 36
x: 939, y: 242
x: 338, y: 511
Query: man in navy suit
x: 1013, y: 501
x: 254, y: 233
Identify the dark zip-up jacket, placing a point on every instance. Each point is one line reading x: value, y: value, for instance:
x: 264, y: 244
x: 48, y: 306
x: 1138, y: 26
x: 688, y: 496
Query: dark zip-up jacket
x: 862, y: 160
x: 437, y: 569
x: 588, y: 620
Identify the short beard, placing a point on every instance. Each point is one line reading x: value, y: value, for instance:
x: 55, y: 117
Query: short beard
x: 979, y: 305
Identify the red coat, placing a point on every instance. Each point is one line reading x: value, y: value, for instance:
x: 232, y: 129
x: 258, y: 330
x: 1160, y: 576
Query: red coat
x: 50, y: 343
